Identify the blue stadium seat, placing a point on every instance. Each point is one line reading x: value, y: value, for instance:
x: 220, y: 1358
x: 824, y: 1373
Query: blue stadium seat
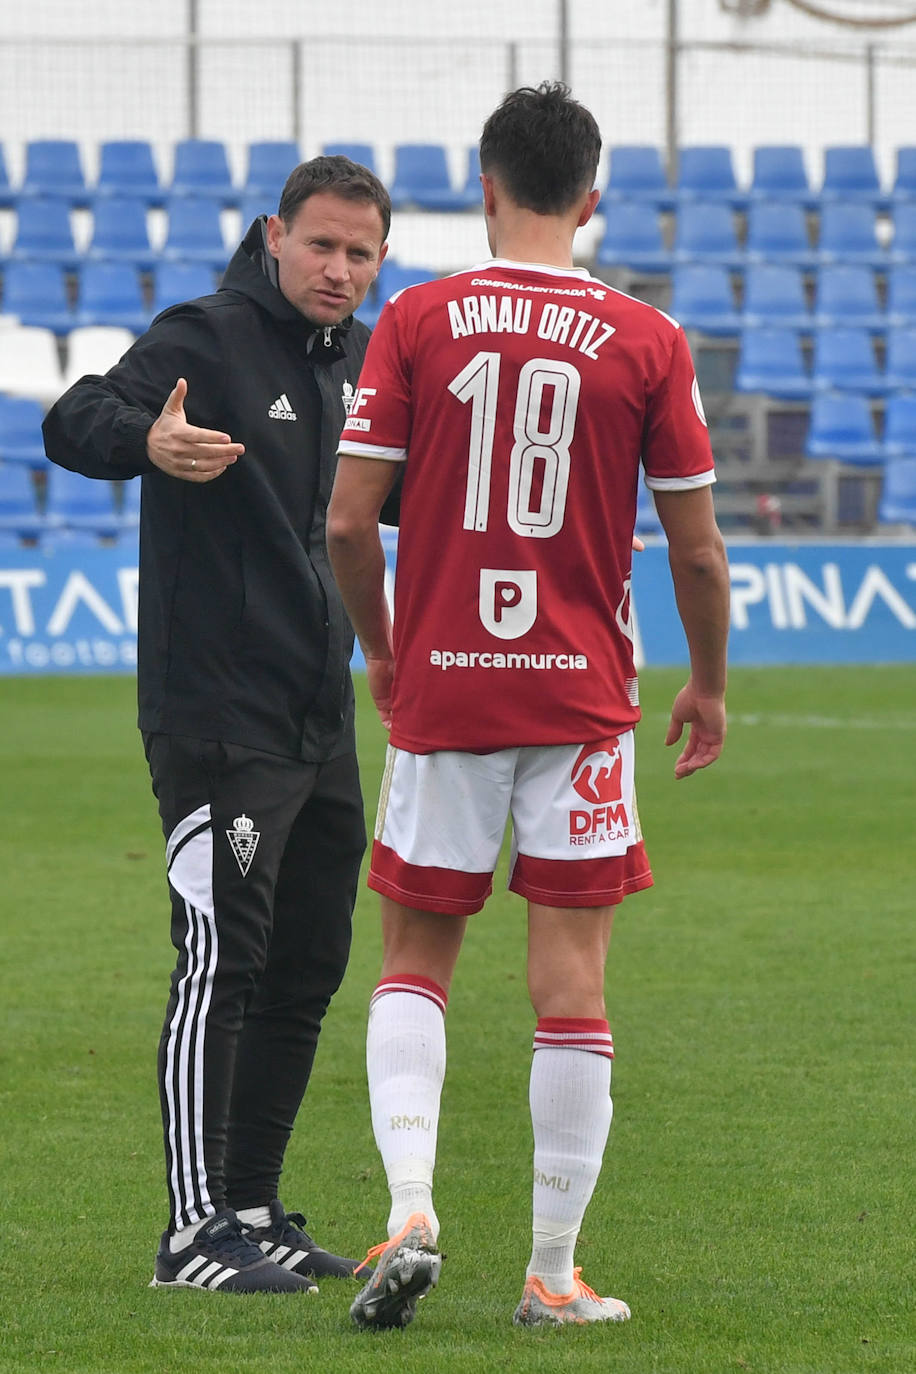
x: 270, y: 162
x: 129, y: 505
x: 900, y: 426
x: 705, y: 232
x: 195, y: 233
x: 54, y: 168
x: 774, y: 295
x: 637, y: 173
x: 394, y: 276
x: 7, y: 194
x: 110, y: 293
x: 250, y: 207
x: 904, y: 188
x: 901, y: 296
x: 75, y: 502
x: 844, y: 360
x: 706, y: 173
x: 369, y: 309
x: 848, y: 233
x: 771, y: 363
x: 470, y: 195
x: 841, y: 427
x: 363, y: 153
x: 897, y: 503
x: 53, y: 538
x: 702, y: 298
x: 847, y: 295
x: 174, y: 282
x: 780, y: 174
x: 900, y: 359
x: 778, y: 233
x: 850, y: 174
x: 202, y: 169
x: 43, y: 230
x: 18, y: 502
x: 36, y: 293
x: 20, y: 431
x: 127, y: 167
x: 120, y: 232
x: 422, y: 179
x: 633, y: 238
x: 903, y: 246
x: 647, y: 521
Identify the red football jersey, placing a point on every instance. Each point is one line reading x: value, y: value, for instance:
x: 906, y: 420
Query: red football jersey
x: 522, y: 399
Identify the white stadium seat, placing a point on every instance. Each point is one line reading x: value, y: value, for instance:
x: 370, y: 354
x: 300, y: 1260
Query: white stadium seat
x: 94, y: 348
x: 29, y: 363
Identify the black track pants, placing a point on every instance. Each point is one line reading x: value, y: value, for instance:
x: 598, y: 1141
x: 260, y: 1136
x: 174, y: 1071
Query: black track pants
x: 263, y: 858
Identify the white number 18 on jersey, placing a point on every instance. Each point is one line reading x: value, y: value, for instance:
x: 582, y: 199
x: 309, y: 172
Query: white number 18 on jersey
x: 548, y: 448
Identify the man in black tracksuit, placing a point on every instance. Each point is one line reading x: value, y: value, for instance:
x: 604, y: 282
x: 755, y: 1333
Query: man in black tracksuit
x: 230, y: 408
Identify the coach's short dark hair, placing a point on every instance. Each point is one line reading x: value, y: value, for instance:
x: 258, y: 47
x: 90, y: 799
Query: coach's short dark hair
x: 347, y: 179
x: 543, y: 146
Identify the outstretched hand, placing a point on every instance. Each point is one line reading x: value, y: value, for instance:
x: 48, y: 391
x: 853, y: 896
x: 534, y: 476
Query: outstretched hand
x: 185, y: 451
x: 706, y: 717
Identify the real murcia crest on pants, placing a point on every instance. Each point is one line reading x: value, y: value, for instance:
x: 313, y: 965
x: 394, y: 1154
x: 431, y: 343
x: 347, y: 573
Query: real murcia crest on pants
x: 244, y: 840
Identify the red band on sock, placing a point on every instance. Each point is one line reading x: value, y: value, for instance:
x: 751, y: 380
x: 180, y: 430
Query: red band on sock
x: 574, y: 1033
x: 412, y: 982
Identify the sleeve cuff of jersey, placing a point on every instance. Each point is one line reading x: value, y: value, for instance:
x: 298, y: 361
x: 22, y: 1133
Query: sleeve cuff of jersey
x: 390, y: 455
x: 699, y: 479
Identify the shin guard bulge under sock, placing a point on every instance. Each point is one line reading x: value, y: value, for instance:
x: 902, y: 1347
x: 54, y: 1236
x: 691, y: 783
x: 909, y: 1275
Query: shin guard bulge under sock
x: 405, y: 1061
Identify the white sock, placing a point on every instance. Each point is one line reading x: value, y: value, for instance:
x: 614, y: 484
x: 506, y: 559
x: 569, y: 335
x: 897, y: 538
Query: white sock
x: 183, y: 1238
x: 571, y: 1114
x: 405, y: 1061
x: 254, y: 1216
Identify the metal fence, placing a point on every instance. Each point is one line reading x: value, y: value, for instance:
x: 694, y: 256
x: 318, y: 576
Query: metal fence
x: 387, y: 90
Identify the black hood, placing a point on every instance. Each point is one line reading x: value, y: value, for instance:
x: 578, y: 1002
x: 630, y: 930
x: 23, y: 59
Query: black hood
x: 252, y: 272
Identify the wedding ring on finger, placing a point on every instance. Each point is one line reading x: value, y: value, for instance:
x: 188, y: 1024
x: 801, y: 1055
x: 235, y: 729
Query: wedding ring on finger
x: 193, y: 464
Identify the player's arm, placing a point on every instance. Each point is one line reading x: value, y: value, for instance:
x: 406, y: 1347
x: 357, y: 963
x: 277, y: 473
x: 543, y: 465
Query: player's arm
x: 358, y: 560
x: 699, y: 570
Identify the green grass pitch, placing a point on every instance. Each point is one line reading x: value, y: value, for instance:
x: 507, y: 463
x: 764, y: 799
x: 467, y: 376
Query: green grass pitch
x: 755, y: 1208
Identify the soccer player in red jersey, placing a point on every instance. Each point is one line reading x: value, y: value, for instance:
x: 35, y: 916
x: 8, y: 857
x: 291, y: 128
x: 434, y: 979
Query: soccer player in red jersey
x: 518, y: 398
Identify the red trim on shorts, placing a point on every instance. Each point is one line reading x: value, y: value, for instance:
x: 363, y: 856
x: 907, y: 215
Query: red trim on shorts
x: 412, y: 982
x: 445, y: 890
x: 600, y: 882
x: 590, y: 1033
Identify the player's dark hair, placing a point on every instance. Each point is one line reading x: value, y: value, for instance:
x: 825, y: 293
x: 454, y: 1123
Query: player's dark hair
x: 543, y: 146
x: 344, y: 178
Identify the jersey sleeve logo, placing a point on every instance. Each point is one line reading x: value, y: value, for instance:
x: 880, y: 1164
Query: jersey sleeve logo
x: 508, y: 601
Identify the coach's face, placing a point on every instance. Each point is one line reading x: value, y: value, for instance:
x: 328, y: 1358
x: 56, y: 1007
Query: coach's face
x: 329, y: 256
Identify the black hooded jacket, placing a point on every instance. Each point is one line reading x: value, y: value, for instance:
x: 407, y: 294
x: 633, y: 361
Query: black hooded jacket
x: 242, y: 633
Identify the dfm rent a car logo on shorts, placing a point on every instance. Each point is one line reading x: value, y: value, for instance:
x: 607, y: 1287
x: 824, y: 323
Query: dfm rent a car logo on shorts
x: 596, y: 776
x: 508, y: 601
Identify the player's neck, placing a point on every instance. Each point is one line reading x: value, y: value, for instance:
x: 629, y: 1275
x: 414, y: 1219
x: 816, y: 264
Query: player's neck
x: 527, y: 237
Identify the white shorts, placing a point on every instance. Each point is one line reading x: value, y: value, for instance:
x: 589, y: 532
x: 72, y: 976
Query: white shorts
x: 576, y: 840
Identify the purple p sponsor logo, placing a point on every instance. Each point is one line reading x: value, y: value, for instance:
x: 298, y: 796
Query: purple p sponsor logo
x: 508, y: 601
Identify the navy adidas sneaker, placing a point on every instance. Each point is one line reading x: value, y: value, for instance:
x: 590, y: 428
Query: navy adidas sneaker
x: 222, y: 1257
x: 287, y: 1243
